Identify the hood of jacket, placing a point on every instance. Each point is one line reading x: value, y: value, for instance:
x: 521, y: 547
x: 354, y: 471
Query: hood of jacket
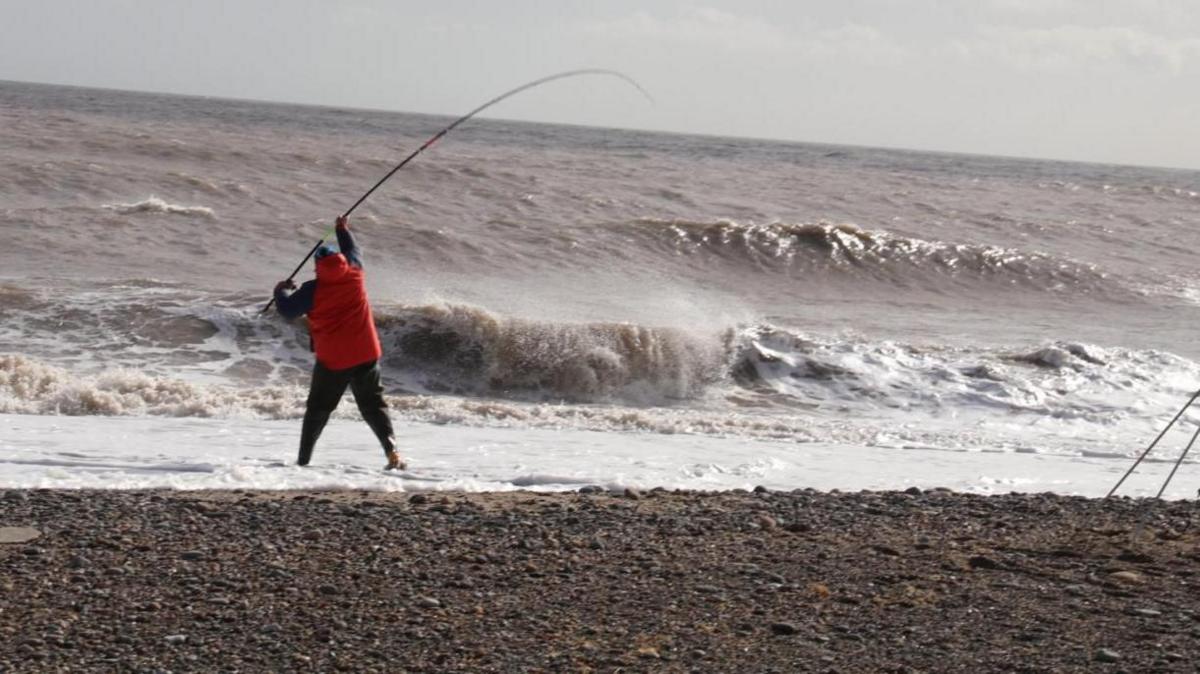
x: 332, y: 268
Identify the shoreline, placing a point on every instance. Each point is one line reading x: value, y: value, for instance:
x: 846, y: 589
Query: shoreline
x: 761, y: 581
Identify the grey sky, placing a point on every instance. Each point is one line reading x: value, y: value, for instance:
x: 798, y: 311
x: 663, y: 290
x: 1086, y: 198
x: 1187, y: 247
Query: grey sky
x: 1095, y: 80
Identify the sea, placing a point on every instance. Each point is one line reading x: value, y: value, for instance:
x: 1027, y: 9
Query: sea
x: 565, y: 306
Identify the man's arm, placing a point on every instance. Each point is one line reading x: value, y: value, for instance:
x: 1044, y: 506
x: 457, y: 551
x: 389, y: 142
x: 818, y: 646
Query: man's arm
x: 293, y: 305
x: 346, y: 243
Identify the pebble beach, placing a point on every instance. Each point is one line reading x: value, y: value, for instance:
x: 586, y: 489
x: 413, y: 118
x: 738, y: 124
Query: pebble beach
x: 595, y: 581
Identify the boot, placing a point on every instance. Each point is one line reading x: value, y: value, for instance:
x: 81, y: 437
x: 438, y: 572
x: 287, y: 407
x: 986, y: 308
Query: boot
x: 393, y: 461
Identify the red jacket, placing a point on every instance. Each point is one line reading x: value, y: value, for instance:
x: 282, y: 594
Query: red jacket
x: 340, y: 321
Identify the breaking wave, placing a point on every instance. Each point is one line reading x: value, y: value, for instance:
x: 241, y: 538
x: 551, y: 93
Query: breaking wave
x: 461, y: 349
x: 1062, y: 380
x: 459, y: 364
x: 29, y: 386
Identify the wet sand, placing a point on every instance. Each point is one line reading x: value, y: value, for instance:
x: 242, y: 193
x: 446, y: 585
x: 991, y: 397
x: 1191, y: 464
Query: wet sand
x: 597, y: 582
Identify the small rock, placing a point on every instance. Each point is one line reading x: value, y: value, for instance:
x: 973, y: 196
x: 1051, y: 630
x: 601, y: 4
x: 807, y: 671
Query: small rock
x: 1147, y: 612
x: 913, y: 491
x: 192, y: 555
x: 1126, y: 577
x: 175, y: 639
x: 784, y: 629
x: 591, y: 489
x: 1106, y: 655
x: 633, y: 494
x: 428, y: 602
x: 418, y: 499
x: 327, y: 590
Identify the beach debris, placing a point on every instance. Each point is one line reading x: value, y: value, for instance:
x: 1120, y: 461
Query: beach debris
x: 18, y: 534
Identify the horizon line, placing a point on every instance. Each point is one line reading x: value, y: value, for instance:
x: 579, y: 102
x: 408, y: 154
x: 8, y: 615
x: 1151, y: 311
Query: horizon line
x: 715, y: 135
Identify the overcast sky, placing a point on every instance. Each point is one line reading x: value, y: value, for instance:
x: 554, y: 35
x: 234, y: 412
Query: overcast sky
x: 1094, y: 80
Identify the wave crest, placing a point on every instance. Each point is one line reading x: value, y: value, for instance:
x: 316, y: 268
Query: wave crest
x: 156, y: 205
x: 848, y: 249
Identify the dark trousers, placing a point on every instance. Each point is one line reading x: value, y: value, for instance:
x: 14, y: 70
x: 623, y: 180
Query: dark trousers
x: 326, y: 392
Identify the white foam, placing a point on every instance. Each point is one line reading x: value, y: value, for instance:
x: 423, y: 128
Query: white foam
x: 154, y: 204
x: 141, y: 453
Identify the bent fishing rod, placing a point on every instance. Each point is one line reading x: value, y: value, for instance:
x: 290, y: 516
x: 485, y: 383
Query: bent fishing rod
x: 438, y: 136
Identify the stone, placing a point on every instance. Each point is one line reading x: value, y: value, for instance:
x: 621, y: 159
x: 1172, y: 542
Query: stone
x: 765, y: 522
x: 18, y: 534
x: 981, y: 562
x: 1126, y: 577
x: 1106, y: 655
x: 175, y: 639
x: 784, y: 628
x: 428, y: 602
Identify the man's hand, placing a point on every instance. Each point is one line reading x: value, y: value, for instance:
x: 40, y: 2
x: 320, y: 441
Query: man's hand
x: 285, y: 285
x: 342, y: 222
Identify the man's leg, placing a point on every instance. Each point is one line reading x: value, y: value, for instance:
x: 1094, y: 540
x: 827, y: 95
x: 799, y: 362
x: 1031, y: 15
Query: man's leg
x: 324, y: 394
x: 368, y: 393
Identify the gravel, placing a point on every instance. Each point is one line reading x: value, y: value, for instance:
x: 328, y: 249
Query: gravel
x: 597, y: 581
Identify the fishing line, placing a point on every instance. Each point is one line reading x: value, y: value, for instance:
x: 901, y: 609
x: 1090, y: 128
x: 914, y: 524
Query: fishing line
x: 438, y: 136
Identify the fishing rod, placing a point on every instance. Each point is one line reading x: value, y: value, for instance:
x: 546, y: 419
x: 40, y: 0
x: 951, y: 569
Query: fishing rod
x: 438, y: 136
x: 1153, y: 444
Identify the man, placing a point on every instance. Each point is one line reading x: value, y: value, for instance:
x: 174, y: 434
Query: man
x: 345, y: 341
